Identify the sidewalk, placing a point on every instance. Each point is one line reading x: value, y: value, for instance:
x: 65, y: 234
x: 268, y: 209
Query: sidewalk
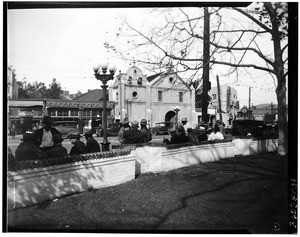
x: 237, y: 194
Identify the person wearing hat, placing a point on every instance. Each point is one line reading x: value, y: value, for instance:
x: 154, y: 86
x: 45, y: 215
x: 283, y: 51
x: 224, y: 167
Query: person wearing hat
x: 133, y: 135
x: 125, y: 127
x: 27, y: 150
x: 185, y: 124
x: 78, y: 146
x: 57, y: 150
x: 146, y: 131
x: 173, y: 132
x: 91, y: 144
x: 202, y: 133
x: 215, y: 134
x: 43, y: 136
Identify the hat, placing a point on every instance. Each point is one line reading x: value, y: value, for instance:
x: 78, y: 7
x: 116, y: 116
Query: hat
x: 88, y: 133
x: 75, y: 134
x: 125, y: 121
x: 27, y: 137
x: 47, y: 119
x: 172, y: 130
x: 144, y: 121
x: 184, y: 120
x: 135, y: 124
x: 57, y: 138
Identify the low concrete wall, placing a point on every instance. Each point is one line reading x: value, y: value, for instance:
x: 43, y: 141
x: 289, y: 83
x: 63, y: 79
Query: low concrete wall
x: 160, y: 159
x: 32, y: 186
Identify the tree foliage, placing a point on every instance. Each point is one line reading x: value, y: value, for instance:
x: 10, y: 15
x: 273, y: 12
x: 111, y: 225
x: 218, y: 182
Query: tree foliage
x: 39, y: 90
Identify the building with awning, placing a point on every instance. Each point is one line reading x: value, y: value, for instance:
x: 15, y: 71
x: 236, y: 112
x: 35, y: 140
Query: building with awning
x: 25, y: 113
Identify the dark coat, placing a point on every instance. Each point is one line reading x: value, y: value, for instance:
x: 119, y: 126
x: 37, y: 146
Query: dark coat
x: 92, y: 146
x: 38, y: 135
x: 175, y: 139
x: 28, y: 151
x: 147, y: 134
x: 57, y: 151
x: 133, y: 136
x: 78, y: 148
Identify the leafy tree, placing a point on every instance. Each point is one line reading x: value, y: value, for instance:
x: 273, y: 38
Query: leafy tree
x: 238, y: 42
x: 54, y: 92
x: 22, y: 93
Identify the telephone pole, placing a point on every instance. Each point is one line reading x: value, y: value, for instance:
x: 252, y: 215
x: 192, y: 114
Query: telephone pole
x: 206, y: 56
x: 219, y: 99
x: 249, y: 102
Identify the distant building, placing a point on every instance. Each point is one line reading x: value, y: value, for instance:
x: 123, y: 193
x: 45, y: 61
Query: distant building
x: 137, y: 96
x: 229, y: 102
x: 12, y: 86
x: 27, y: 112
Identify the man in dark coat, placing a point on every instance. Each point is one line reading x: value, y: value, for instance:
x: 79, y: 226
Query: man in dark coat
x: 27, y: 150
x: 134, y: 135
x: 146, y: 131
x: 79, y: 146
x: 125, y: 127
x: 91, y: 144
x: 43, y: 136
x: 178, y: 135
x: 58, y: 150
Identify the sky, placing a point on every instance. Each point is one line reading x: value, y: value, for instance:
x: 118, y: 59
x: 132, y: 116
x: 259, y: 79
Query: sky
x: 65, y: 43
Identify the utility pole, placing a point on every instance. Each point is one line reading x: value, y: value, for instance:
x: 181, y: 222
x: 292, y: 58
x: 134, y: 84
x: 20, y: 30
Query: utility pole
x: 219, y: 99
x: 206, y: 56
x: 249, y: 111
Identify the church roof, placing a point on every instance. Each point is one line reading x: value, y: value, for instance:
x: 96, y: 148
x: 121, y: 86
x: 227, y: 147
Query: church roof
x: 92, y: 95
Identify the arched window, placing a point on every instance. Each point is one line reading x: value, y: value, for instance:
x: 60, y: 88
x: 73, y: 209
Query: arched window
x: 139, y: 81
x: 129, y: 80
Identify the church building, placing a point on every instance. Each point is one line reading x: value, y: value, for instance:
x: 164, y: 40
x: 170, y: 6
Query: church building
x: 154, y: 98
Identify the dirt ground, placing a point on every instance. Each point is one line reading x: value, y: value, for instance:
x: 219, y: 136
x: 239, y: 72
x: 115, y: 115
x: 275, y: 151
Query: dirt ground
x: 235, y: 195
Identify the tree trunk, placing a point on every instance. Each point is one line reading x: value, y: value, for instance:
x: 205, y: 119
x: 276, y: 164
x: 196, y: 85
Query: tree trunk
x: 281, y: 87
x: 282, y: 118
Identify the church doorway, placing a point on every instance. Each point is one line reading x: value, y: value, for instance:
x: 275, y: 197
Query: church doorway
x: 170, y: 116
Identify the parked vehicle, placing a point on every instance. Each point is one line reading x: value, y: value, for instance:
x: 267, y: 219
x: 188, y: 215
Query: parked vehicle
x: 256, y: 128
x: 113, y: 129
x: 65, y: 127
x: 161, y: 128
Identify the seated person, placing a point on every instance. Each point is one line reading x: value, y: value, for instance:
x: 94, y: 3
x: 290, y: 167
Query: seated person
x: 192, y: 135
x: 202, y: 136
x: 91, y: 144
x: 133, y: 135
x: 78, y: 146
x: 27, y: 150
x: 43, y: 136
x: 216, y: 134
x: 178, y: 135
x: 58, y: 150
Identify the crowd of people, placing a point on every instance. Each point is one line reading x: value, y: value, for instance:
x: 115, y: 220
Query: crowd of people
x: 46, y: 142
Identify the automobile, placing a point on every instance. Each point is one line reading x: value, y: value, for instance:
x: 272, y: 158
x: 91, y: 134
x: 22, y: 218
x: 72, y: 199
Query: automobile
x: 113, y: 129
x: 256, y: 128
x: 161, y: 128
x: 65, y: 127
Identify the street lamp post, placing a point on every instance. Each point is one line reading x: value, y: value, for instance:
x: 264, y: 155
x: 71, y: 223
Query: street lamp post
x: 176, y: 109
x: 102, y: 75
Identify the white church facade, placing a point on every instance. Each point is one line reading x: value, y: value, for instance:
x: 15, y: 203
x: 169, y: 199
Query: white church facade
x: 154, y: 98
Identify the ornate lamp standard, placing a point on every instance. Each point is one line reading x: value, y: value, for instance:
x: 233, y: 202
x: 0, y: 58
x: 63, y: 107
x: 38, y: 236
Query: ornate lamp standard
x: 102, y: 75
x: 176, y: 109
